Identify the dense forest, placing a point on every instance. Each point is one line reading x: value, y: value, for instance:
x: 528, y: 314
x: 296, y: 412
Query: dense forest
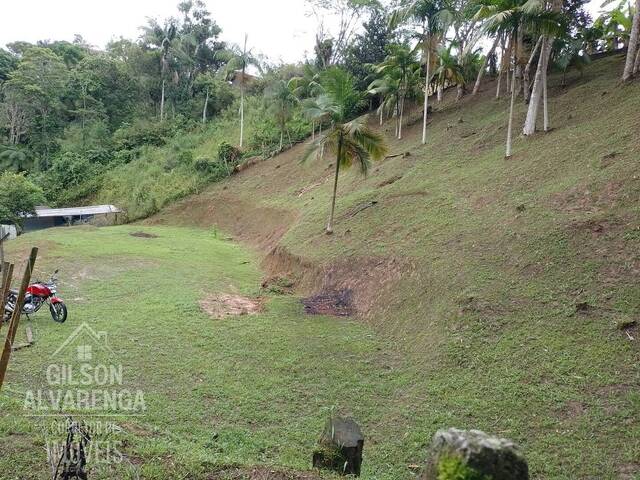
x: 143, y: 122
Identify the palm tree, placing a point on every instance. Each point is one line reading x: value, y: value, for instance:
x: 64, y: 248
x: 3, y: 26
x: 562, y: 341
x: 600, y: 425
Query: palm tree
x: 162, y: 37
x: 514, y: 18
x: 351, y: 141
x: 388, y: 88
x: 401, y: 65
x: 306, y: 88
x: 15, y: 159
x: 449, y: 71
x: 238, y: 61
x: 434, y: 16
x: 569, y: 55
x: 281, y: 102
x: 549, y: 24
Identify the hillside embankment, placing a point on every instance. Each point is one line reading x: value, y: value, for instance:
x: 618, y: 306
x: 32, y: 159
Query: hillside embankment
x: 510, y: 286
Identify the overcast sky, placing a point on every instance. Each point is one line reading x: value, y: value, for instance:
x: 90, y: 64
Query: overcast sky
x: 278, y: 28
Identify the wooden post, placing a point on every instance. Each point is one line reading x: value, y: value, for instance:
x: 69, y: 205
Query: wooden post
x: 15, y: 318
x: 7, y: 274
x: 3, y: 237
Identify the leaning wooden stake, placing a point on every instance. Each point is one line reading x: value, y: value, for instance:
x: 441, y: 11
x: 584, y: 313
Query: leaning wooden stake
x: 3, y: 237
x: 7, y: 275
x: 15, y: 317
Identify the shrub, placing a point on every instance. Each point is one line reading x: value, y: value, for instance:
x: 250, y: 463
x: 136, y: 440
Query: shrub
x: 141, y: 133
x: 18, y: 196
x: 229, y: 155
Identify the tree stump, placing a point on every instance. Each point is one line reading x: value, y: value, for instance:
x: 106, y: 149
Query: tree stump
x: 340, y: 447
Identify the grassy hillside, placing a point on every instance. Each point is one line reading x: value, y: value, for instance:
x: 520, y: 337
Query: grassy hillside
x: 502, y: 283
x: 160, y: 175
x: 490, y: 294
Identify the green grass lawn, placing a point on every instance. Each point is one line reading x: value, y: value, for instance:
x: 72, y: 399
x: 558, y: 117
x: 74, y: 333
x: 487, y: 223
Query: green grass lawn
x: 247, y: 390
x: 472, y: 267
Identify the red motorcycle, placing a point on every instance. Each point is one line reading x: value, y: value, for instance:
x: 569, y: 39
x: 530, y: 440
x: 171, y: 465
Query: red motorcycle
x: 37, y: 295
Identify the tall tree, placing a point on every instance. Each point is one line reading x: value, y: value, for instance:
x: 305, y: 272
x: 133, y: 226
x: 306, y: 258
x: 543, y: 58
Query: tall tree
x: 162, y: 38
x: 239, y: 59
x: 434, y: 18
x: 38, y: 84
x: 368, y: 48
x: 633, y: 50
x: 549, y: 24
x: 281, y: 98
x: 350, y: 141
x: 346, y: 15
x: 515, y: 18
x: 401, y: 64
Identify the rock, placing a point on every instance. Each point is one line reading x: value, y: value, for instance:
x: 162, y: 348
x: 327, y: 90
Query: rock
x: 475, y: 454
x: 340, y: 447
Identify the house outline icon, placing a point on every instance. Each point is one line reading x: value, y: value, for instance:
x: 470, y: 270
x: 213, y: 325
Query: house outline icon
x: 98, y: 339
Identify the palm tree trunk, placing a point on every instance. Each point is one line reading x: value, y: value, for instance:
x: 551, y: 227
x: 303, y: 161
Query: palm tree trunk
x: 502, y: 62
x: 381, y: 112
x: 204, y: 110
x: 476, y: 87
x: 513, y: 101
x: 335, y: 189
x: 401, y: 117
x: 162, y: 102
x: 242, y: 111
x: 313, y: 131
x: 397, y: 114
x: 426, y: 95
x: 527, y: 69
x: 545, y: 104
x: 537, y: 93
x: 636, y: 66
x: 440, y: 93
x: 633, y: 46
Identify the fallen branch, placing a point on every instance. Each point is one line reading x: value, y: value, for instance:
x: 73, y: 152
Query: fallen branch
x: 362, y: 207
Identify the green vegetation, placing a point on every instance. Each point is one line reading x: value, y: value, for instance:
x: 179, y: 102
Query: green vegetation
x: 495, y: 294
x: 350, y: 141
x: 18, y: 197
x: 473, y: 269
x: 453, y: 468
x: 140, y: 122
x: 218, y: 392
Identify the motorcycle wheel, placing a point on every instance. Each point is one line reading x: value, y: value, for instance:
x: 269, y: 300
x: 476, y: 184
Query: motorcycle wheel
x: 58, y: 312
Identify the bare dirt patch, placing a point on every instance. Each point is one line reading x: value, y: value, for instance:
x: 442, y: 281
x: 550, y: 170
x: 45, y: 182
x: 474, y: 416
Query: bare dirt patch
x: 337, y: 303
x: 583, y: 198
x: 261, y: 473
x: 228, y: 305
x: 143, y: 235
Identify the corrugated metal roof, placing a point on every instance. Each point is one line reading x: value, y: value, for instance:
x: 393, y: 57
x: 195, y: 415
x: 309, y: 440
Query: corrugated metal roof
x: 43, y: 212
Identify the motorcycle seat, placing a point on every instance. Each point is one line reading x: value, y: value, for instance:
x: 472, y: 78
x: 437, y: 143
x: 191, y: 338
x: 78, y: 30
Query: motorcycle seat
x: 13, y: 291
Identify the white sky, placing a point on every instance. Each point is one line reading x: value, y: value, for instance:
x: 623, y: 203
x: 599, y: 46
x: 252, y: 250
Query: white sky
x: 278, y: 28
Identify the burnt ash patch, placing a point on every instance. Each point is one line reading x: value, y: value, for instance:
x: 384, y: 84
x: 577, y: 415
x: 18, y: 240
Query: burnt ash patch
x: 337, y: 303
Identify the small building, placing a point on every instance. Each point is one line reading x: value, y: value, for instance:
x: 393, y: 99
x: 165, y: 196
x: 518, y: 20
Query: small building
x: 56, y: 217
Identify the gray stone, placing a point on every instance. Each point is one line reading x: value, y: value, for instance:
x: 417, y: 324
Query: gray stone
x: 498, y: 458
x: 340, y: 447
